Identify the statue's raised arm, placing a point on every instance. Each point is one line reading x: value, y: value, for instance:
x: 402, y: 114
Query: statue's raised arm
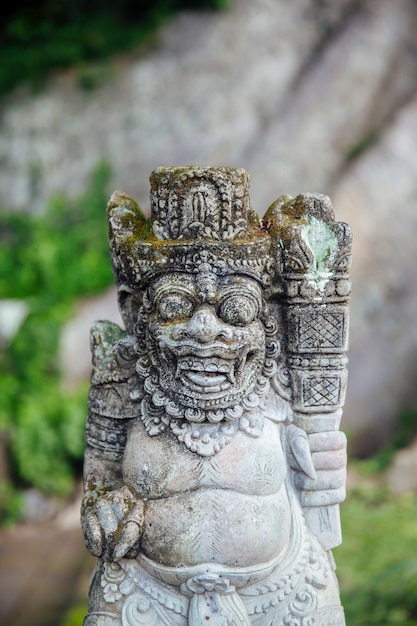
x: 214, y: 465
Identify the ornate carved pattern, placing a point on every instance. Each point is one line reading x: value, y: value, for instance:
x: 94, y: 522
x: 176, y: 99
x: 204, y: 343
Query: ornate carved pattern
x: 314, y: 361
x: 343, y: 256
x: 156, y: 597
x: 287, y: 595
x: 213, y: 598
x: 321, y: 391
x: 297, y: 257
x: 202, y: 433
x: 102, y: 618
x: 313, y: 255
x: 205, y: 203
x: 113, y: 353
x: 203, y: 430
x: 321, y: 331
x: 246, y: 257
x: 111, y: 578
x: 139, y: 611
x: 103, y: 433
x: 208, y: 471
x: 205, y: 440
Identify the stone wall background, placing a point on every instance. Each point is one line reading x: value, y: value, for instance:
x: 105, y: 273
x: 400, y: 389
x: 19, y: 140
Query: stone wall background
x: 309, y: 95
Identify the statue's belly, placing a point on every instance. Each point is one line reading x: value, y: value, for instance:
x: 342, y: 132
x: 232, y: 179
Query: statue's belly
x: 162, y: 467
x: 216, y: 525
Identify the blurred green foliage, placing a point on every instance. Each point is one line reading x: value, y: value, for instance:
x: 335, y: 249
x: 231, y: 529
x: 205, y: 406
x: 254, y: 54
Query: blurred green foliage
x: 356, y: 149
x: 48, y: 261
x: 54, y: 34
x: 377, y: 561
x: 51, y: 260
x: 405, y: 433
x: 75, y: 615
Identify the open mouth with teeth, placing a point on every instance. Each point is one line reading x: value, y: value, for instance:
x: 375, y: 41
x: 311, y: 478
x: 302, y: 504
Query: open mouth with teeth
x: 210, y: 372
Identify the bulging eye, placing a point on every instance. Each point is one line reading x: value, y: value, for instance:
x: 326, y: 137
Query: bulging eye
x: 238, y: 310
x: 175, y: 306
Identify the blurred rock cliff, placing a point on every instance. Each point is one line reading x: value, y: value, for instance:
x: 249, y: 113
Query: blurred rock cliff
x: 310, y: 95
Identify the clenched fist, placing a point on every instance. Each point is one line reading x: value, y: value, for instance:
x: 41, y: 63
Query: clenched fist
x: 112, y: 523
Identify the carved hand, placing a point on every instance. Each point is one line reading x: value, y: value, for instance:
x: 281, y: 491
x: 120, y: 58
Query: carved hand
x: 112, y: 523
x: 319, y: 461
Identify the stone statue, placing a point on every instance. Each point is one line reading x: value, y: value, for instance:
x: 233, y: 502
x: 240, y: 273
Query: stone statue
x: 214, y: 466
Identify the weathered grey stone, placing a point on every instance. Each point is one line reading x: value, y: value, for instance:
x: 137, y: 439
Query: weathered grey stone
x: 37, y: 507
x: 402, y: 474
x: 291, y: 91
x: 343, y: 100
x: 74, y: 351
x: 378, y: 196
x: 214, y: 463
x: 241, y: 63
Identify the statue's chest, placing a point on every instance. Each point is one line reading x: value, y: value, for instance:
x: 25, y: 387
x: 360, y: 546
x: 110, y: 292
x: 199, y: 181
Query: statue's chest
x: 161, y: 466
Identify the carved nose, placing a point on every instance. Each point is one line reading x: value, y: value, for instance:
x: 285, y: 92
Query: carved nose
x: 205, y: 327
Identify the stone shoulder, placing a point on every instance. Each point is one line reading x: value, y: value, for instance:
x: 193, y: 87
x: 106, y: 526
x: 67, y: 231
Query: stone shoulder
x: 114, y: 378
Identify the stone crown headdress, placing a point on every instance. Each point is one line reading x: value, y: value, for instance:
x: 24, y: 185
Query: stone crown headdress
x: 201, y: 222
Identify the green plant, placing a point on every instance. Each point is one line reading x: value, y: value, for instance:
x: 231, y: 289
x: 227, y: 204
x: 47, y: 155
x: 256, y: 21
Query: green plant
x: 361, y: 145
x: 75, y: 615
x: 405, y: 432
x: 52, y: 35
x: 10, y: 504
x: 48, y: 261
x: 377, y: 569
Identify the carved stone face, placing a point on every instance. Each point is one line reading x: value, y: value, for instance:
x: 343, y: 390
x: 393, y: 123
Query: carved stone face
x: 207, y: 341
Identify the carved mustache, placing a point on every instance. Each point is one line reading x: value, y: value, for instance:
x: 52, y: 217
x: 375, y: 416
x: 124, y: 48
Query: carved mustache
x: 214, y: 350
x: 193, y: 349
